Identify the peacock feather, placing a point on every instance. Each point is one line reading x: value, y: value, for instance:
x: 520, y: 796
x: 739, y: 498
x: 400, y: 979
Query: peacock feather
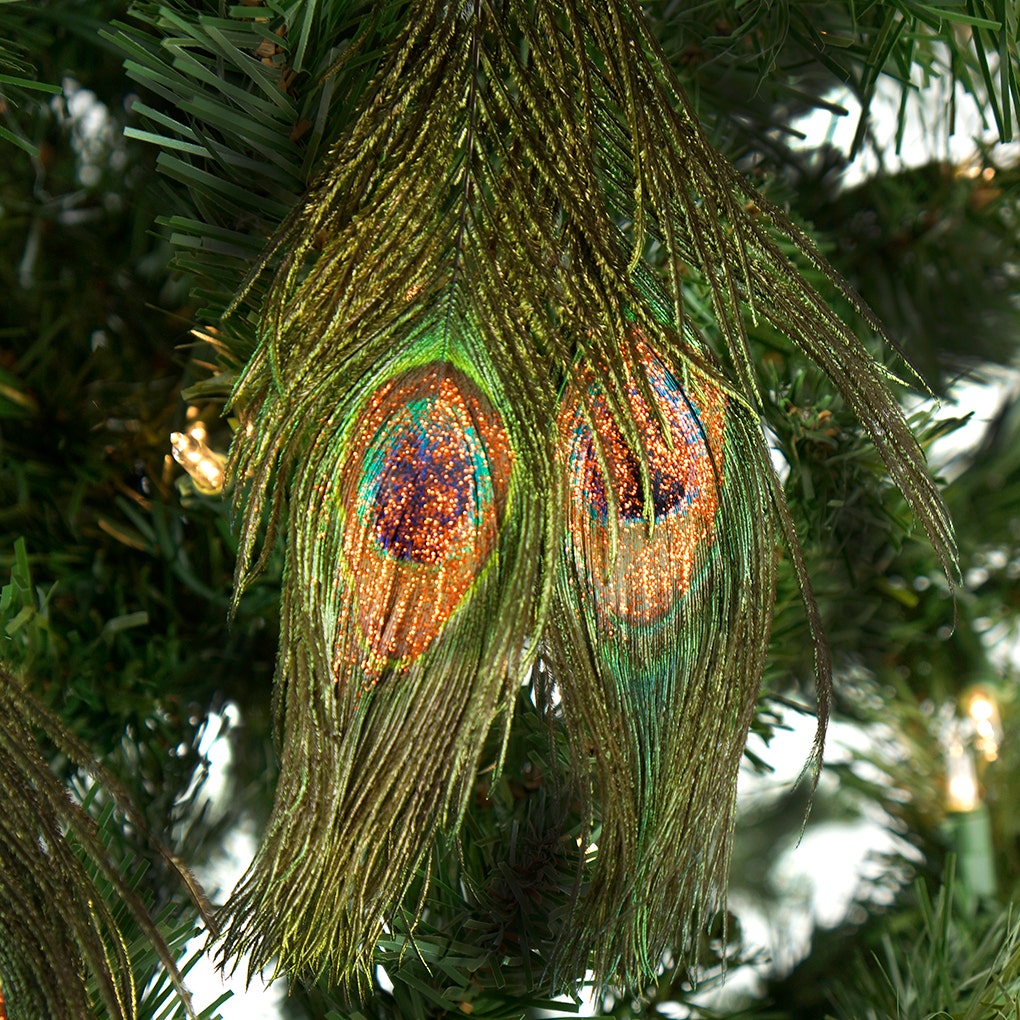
x: 662, y: 616
x: 487, y: 432
x: 64, y: 897
x: 397, y: 660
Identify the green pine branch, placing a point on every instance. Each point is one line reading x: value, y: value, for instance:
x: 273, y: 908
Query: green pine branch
x: 18, y: 82
x: 754, y: 66
x: 944, y: 961
x: 242, y: 109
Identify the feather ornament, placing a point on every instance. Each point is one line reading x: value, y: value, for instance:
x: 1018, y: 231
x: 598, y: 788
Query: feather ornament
x: 658, y: 648
x: 62, y: 951
x: 488, y: 432
x: 399, y: 662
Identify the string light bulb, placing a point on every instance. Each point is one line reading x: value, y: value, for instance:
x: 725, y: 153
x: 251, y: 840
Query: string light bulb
x: 205, y: 466
x: 968, y: 821
x: 983, y: 712
x: 962, y: 791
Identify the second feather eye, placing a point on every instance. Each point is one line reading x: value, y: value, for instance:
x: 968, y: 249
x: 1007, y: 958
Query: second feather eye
x: 634, y: 577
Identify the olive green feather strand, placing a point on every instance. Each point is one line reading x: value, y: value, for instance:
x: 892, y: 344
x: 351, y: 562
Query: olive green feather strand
x: 62, y: 953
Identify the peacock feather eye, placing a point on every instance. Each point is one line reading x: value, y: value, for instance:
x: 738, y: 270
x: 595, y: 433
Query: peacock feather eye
x: 638, y: 581
x: 429, y: 465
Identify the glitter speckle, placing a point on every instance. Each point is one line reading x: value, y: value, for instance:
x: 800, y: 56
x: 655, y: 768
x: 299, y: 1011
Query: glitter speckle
x: 636, y: 581
x: 431, y: 485
x: 430, y: 464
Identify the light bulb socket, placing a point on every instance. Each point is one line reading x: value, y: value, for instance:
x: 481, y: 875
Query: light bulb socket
x: 969, y: 835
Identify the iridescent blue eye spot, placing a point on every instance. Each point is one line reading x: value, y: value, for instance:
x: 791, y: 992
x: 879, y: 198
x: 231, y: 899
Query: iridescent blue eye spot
x: 430, y: 464
x: 673, y: 473
x: 426, y: 481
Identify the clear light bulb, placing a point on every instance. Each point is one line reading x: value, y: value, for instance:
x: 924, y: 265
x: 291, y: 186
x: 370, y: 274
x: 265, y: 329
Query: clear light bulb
x: 962, y: 792
x: 984, y: 715
x: 205, y: 466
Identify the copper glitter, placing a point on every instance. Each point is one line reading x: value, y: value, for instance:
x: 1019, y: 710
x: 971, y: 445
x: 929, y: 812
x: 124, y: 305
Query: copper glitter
x: 642, y: 582
x: 429, y: 465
